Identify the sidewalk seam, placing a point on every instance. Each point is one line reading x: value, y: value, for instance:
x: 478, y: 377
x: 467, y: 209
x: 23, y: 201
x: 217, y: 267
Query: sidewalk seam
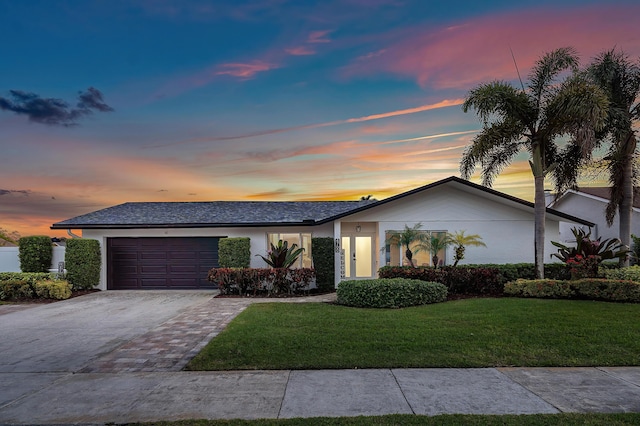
x: 402, y: 391
x: 284, y: 394
x: 613, y: 376
x: 527, y: 389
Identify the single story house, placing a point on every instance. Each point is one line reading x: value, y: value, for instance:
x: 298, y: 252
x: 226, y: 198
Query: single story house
x: 590, y: 203
x: 158, y: 245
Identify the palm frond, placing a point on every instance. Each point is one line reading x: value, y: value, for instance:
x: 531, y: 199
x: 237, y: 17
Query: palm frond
x: 501, y: 100
x: 489, y: 141
x: 580, y: 109
x: 547, y: 69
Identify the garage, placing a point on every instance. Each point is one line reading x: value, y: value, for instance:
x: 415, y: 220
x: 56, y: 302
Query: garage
x: 151, y: 263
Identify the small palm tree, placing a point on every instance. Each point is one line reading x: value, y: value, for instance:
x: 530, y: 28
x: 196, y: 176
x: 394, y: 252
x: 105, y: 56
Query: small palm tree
x: 434, y: 244
x: 406, y: 239
x: 532, y: 119
x: 461, y: 241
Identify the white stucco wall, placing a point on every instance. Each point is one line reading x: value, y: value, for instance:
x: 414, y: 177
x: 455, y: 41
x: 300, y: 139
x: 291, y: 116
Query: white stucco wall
x: 593, y: 210
x: 507, y: 230
x: 258, y: 238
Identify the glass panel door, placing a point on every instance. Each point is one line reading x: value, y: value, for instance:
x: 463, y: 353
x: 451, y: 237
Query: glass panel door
x: 358, y: 256
x: 363, y: 257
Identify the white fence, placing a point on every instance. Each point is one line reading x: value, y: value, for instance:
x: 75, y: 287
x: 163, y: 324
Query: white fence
x: 10, y: 262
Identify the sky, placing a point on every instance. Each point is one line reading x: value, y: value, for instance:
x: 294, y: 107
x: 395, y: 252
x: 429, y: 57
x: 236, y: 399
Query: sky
x: 110, y: 101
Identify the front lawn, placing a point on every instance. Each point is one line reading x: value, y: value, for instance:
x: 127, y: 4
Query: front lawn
x: 463, y: 333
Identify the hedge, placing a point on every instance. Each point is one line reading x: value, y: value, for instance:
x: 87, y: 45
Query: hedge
x: 630, y: 273
x: 323, y: 257
x: 458, y: 280
x: 234, y: 252
x: 588, y: 288
x: 272, y: 281
x: 27, y: 288
x: 35, y: 253
x: 82, y: 261
x: 389, y: 293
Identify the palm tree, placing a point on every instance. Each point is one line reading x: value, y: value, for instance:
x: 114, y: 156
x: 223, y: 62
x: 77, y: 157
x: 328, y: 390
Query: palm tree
x: 461, y: 241
x: 434, y: 244
x: 406, y: 239
x: 614, y: 72
x: 532, y: 119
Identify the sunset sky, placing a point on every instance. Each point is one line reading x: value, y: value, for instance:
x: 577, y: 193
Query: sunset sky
x: 117, y: 101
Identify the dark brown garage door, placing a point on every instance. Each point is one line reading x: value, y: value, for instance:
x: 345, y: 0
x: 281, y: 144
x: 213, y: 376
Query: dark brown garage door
x: 160, y: 263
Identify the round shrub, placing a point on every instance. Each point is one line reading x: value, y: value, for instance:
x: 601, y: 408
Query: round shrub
x: 389, y: 293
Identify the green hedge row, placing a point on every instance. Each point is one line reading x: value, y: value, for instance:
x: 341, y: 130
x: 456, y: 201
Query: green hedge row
x: 458, y: 280
x: 43, y: 289
x: 589, y: 288
x: 630, y: 273
x: 389, y: 293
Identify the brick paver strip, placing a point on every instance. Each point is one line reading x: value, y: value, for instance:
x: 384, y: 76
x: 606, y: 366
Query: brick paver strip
x: 170, y: 346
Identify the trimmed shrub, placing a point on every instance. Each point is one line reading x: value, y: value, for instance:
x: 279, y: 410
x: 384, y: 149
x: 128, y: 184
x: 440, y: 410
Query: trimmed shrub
x: 234, y: 252
x: 35, y: 253
x: 588, y: 288
x: 322, y: 253
x: 53, y: 289
x: 458, y: 280
x: 272, y: 281
x: 389, y: 293
x: 552, y: 289
x: 631, y: 273
x: 15, y: 289
x: 82, y: 261
x: 30, y: 277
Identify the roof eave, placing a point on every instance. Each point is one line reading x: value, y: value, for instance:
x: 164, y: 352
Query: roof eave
x: 181, y: 225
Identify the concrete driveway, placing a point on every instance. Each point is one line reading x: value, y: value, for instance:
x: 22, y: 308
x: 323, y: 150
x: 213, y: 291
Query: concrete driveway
x: 66, y: 336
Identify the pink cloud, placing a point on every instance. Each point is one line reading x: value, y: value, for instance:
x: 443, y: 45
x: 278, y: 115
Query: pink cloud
x: 319, y: 36
x: 300, y: 51
x: 465, y: 54
x: 245, y: 70
x: 241, y: 70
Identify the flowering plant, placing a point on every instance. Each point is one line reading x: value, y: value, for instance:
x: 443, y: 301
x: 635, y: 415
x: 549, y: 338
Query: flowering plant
x: 583, y: 259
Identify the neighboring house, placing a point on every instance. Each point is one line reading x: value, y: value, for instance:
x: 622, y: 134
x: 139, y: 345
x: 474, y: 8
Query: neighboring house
x: 590, y: 203
x: 150, y: 245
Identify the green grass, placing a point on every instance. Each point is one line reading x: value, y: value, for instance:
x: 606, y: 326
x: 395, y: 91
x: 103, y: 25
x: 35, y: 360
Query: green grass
x: 463, y: 333
x: 442, y: 420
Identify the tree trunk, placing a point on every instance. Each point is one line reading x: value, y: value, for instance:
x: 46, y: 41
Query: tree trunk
x: 625, y: 209
x: 539, y: 218
x: 409, y: 254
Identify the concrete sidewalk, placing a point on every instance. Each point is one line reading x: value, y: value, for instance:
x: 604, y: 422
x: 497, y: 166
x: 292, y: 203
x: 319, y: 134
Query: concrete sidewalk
x: 64, y: 398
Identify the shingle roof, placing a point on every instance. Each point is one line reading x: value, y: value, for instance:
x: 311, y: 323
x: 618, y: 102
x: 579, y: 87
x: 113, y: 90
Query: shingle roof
x: 212, y: 214
x: 603, y: 192
x: 259, y: 213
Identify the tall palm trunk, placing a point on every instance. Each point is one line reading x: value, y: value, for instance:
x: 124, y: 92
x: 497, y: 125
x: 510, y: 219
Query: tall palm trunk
x: 539, y: 207
x: 625, y: 209
x: 539, y: 218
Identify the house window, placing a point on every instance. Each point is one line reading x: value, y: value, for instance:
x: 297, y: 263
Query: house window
x: 395, y: 255
x: 302, y: 240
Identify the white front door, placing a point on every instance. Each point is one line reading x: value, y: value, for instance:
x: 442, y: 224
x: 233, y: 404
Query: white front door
x: 359, y: 256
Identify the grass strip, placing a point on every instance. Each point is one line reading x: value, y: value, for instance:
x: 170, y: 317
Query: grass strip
x: 465, y: 333
x: 569, y: 419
